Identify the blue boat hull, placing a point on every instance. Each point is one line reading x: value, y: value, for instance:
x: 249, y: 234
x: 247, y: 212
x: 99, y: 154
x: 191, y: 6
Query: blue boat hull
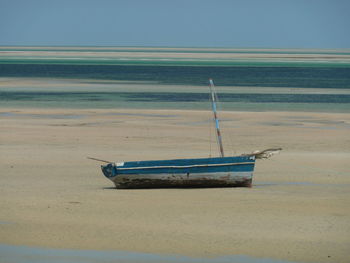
x: 203, y: 172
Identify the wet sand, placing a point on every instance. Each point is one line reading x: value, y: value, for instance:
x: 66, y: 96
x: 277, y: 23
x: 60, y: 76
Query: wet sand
x: 53, y: 197
x: 117, y: 55
x: 92, y: 85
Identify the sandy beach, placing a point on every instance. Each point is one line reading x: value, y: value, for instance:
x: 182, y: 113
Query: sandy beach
x: 140, y: 88
x: 168, y: 56
x: 52, y: 196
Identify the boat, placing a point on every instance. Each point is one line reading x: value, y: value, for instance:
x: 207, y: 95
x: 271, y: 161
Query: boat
x: 222, y: 171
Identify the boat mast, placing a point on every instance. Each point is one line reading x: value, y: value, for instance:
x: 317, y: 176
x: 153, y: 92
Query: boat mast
x: 216, y: 120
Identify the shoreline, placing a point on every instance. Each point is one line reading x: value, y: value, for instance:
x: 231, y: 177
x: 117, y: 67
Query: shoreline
x: 166, y: 56
x: 18, y: 254
x: 85, y: 94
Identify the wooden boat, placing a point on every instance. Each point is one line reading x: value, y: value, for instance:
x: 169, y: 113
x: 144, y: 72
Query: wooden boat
x: 233, y: 171
x: 203, y: 172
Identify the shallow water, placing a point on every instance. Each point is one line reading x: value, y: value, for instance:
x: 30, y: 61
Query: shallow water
x: 288, y: 77
x: 142, y: 115
x: 23, y: 254
x: 5, y: 223
x: 262, y: 184
x: 41, y: 116
x: 175, y: 100
x: 284, y: 73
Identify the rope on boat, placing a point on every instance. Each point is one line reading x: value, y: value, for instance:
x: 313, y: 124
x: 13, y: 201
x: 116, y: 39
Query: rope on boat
x: 99, y: 160
x: 265, y: 154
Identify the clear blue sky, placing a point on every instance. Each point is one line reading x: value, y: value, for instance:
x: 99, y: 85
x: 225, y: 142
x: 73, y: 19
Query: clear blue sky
x: 199, y: 23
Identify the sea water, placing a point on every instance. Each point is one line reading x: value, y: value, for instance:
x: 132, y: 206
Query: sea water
x: 23, y: 254
x: 282, y: 76
x: 175, y: 100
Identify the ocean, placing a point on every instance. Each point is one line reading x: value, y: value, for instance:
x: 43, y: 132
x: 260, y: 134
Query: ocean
x: 254, y: 80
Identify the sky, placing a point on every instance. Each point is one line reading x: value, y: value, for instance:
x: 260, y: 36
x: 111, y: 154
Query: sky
x: 176, y: 23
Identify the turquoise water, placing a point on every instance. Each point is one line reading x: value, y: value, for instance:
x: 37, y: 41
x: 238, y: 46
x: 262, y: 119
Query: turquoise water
x: 286, y: 73
x: 297, y: 77
x: 22, y: 254
x: 175, y: 100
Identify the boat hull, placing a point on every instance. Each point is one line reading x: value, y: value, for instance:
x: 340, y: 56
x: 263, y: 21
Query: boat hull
x: 203, y: 172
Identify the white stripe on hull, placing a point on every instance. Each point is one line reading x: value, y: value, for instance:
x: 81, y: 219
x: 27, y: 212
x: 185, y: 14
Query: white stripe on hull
x: 181, y: 166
